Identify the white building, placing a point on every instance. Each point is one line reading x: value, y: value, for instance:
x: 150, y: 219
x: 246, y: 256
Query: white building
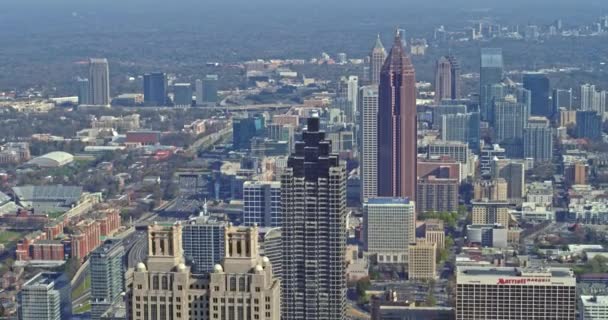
x: 369, y: 148
x: 593, y: 307
x: 389, y: 228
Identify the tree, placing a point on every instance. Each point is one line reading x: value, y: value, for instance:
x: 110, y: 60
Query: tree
x: 361, y: 289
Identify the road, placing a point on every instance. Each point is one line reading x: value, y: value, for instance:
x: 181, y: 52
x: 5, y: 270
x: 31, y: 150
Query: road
x: 138, y: 251
x: 208, y: 140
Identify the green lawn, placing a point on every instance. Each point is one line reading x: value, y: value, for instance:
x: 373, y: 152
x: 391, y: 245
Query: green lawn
x: 8, y: 236
x: 84, y: 286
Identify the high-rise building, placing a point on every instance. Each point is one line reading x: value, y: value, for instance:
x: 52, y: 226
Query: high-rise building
x: 510, y: 119
x: 210, y: 88
x: 462, y: 127
x: 508, y: 293
x: 491, y: 73
x: 562, y: 99
x: 46, y: 296
x: 588, y: 125
x: 445, y: 109
x: 492, y: 94
x: 83, y: 91
x: 182, y: 95
x: 397, y: 131
x: 245, y: 129
x: 434, y: 232
x: 203, y: 242
x: 524, y: 96
x: 538, y: 84
x: 514, y: 173
x: 488, y: 154
x: 262, y: 203
x: 389, y: 228
x: 588, y: 97
x: 377, y: 58
x: 107, y: 276
x: 455, y: 75
x: 99, y: 82
x: 155, y: 89
x: 443, y: 79
x: 455, y: 150
x: 369, y: 147
x: 422, y: 263
x: 538, y: 140
x: 347, y: 97
x: 593, y: 307
x: 313, y: 199
x: 492, y: 190
x: 273, y: 249
x: 487, y: 235
x: 437, y: 194
x: 198, y: 91
x: 244, y: 285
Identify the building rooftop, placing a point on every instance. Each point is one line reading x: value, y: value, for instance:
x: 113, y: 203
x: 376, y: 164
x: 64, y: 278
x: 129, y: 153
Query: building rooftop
x: 515, y: 272
x: 589, y: 301
x: 388, y: 201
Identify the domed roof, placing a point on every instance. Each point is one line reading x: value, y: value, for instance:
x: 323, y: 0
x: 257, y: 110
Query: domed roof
x: 259, y: 269
x: 218, y: 268
x: 141, y: 266
x: 265, y: 261
x: 181, y: 267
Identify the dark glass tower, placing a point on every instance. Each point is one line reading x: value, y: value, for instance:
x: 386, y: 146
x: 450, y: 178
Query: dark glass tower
x: 491, y: 73
x: 155, y: 89
x: 313, y: 202
x: 538, y: 84
x: 397, y: 132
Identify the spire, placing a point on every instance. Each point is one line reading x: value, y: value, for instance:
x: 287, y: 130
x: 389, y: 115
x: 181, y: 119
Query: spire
x: 378, y: 43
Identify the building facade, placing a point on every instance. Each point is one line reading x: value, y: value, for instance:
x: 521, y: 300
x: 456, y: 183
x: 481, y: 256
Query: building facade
x: 99, y: 82
x: 107, y: 276
x: 437, y: 194
x: 397, y: 121
x: 538, y: 140
x: 515, y: 293
x: 389, y: 228
x: 313, y: 200
x: 538, y: 84
x: 262, y: 204
x: 491, y: 73
x: 422, y: 261
x: 203, y: 242
x: 46, y: 296
x: 369, y: 147
x: 155, y: 89
x: 377, y: 58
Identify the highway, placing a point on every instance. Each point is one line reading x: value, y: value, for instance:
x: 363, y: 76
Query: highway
x: 207, y: 141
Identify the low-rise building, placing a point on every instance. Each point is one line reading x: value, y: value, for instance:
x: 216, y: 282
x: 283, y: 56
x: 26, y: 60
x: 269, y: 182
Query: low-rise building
x: 422, y: 260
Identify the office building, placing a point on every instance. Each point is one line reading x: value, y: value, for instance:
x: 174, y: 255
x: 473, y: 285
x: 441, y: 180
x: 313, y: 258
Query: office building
x: 397, y: 131
x: 445, y: 109
x: 244, y: 285
x: 389, y: 228
x: 422, y: 261
x: 455, y: 150
x: 487, y: 235
x: 562, y: 99
x: 198, y: 92
x: 437, y: 194
x: 155, y: 89
x: 491, y: 212
x: 538, y: 84
x: 377, y: 58
x: 443, y: 79
x: 491, y: 73
x: 369, y: 145
x: 313, y: 200
x: 182, y: 95
x: 514, y: 173
x: 273, y: 249
x: 593, y: 307
x: 107, y: 276
x: 493, y: 93
x: 455, y: 76
x: 510, y: 118
x: 492, y: 190
x: 515, y: 293
x: 203, y: 242
x: 538, y: 140
x: 280, y: 132
x: 262, y: 204
x: 47, y: 296
x: 588, y: 97
x: 210, y: 89
x: 83, y: 91
x: 462, y: 127
x: 434, y: 232
x: 245, y: 129
x: 524, y: 96
x: 588, y: 125
x: 99, y: 82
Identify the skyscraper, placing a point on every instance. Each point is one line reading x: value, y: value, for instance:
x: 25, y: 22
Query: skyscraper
x: 538, y: 84
x: 346, y: 97
x: 510, y: 119
x: 397, y: 131
x: 369, y: 148
x: 588, y: 125
x: 203, y: 241
x: 99, y: 82
x: 155, y: 89
x: 562, y: 99
x: 46, y: 296
x: 463, y: 127
x: 210, y: 88
x: 443, y: 79
x: 198, y: 91
x: 491, y: 72
x: 262, y: 203
x: 377, y: 58
x: 538, y: 140
x: 83, y: 91
x: 455, y: 76
x: 587, y: 97
x: 107, y: 276
x: 182, y: 95
x: 313, y: 199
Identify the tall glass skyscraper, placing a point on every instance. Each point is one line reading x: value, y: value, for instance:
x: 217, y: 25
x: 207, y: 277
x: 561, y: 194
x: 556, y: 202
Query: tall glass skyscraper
x: 107, y: 276
x: 538, y: 84
x: 155, y: 89
x: 491, y: 73
x: 99, y: 82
